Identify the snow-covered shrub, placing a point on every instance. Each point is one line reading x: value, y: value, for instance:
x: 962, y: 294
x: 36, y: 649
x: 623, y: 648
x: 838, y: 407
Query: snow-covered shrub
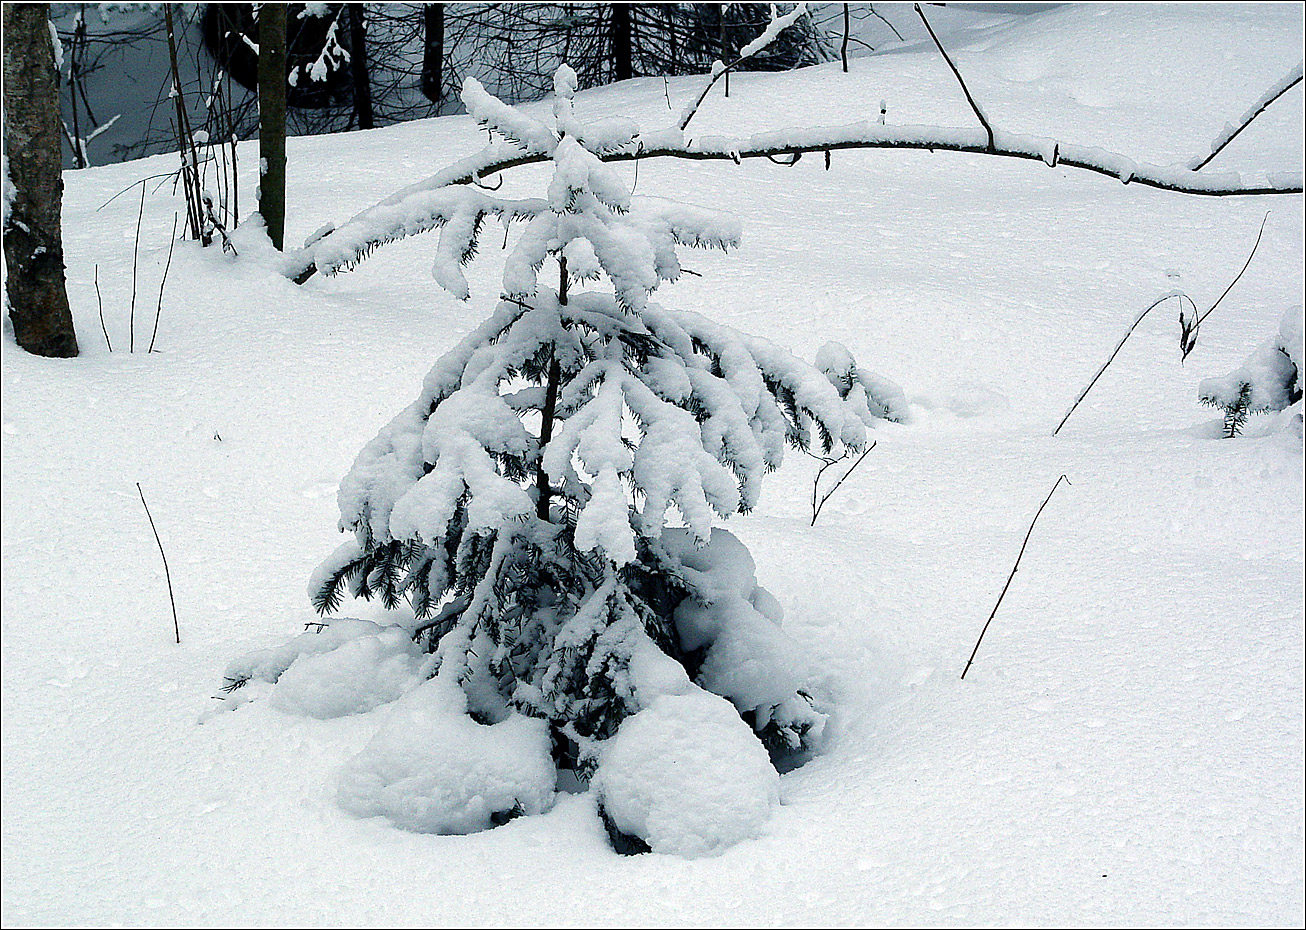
x: 345, y: 666
x: 546, y: 506
x: 729, y: 627
x: 355, y: 677
x: 1269, y: 380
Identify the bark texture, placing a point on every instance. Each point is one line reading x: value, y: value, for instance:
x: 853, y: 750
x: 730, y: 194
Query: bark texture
x: 33, y: 240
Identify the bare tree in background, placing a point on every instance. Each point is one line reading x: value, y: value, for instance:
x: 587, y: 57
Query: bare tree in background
x: 433, y: 52
x: 272, y: 120
x: 33, y: 240
x: 358, y: 67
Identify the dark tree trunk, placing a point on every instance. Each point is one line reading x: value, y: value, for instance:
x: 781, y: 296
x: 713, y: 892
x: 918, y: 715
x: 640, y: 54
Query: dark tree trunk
x: 272, y: 120
x: 358, y: 68
x: 622, y: 66
x: 847, y: 30
x: 543, y: 490
x: 433, y: 53
x: 727, y: 50
x: 33, y: 246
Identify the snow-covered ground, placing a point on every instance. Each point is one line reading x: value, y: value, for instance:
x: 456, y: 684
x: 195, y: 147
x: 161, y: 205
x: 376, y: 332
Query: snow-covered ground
x: 1128, y: 747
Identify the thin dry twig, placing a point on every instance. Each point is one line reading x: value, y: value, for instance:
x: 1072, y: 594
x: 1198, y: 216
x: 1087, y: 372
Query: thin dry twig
x: 163, y: 283
x: 100, y: 303
x: 964, y: 89
x: 1120, y: 345
x: 827, y: 463
x: 1029, y: 533
x: 1188, y: 328
x: 1188, y: 338
x: 1294, y: 78
x: 136, y: 246
x: 176, y: 627
x: 693, y: 108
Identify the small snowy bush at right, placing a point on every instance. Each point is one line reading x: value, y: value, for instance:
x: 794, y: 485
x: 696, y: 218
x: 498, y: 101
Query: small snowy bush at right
x: 1268, y: 381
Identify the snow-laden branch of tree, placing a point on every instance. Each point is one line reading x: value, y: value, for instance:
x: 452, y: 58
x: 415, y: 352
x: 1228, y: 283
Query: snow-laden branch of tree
x: 719, y: 70
x: 81, y: 145
x: 1230, y: 132
x: 416, y: 208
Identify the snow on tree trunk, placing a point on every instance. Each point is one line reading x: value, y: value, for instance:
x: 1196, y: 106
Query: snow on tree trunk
x: 33, y: 186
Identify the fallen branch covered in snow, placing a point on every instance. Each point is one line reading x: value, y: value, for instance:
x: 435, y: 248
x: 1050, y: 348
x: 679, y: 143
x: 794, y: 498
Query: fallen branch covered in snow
x: 409, y: 210
x: 794, y: 144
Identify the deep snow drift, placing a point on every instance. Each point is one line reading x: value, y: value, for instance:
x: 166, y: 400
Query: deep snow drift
x: 1129, y: 744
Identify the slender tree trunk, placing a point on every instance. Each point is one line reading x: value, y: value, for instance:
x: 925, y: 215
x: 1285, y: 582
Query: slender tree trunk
x: 673, y: 50
x: 433, y: 53
x: 190, y: 176
x: 33, y: 240
x: 74, y: 75
x: 727, y: 53
x: 272, y: 120
x: 543, y: 493
x: 358, y: 67
x: 847, y: 29
x: 623, y: 68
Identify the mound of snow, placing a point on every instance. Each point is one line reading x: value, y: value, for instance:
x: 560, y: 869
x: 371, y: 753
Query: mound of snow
x: 687, y: 776
x: 357, y: 676
x: 747, y: 657
x: 267, y: 665
x: 432, y: 769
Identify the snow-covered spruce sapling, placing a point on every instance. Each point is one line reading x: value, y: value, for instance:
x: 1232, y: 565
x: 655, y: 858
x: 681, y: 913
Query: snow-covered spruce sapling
x: 1269, y: 380
x: 546, y: 508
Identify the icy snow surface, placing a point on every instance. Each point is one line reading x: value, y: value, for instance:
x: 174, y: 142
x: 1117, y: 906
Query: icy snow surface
x: 1128, y: 747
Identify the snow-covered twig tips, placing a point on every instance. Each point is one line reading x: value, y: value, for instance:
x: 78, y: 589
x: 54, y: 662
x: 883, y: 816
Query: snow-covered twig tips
x: 1014, y: 567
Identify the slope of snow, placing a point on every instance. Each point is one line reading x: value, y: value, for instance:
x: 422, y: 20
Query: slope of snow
x: 1128, y: 747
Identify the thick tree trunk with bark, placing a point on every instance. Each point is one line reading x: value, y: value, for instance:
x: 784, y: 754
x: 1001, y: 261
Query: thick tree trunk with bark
x: 272, y: 120
x: 38, y: 299
x: 433, y: 52
x: 358, y: 68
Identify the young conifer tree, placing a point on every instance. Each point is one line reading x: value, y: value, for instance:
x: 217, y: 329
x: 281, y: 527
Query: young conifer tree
x: 541, y: 505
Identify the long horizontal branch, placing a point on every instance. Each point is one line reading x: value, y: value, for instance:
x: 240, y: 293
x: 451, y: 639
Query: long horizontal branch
x: 793, y: 145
